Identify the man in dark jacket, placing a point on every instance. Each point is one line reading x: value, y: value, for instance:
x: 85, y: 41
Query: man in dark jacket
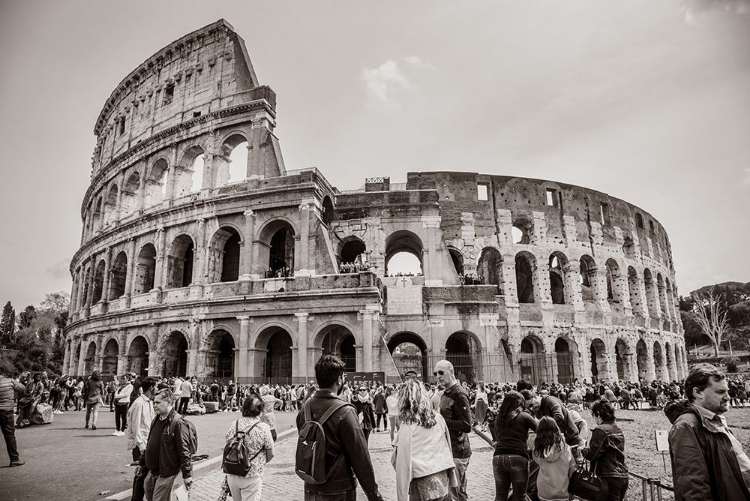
x: 708, y: 462
x: 346, y: 449
x: 456, y: 410
x: 553, y: 407
x: 8, y: 389
x: 167, y: 450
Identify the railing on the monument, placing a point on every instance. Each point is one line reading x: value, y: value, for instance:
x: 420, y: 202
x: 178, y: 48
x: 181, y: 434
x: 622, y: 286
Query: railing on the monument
x: 498, y: 367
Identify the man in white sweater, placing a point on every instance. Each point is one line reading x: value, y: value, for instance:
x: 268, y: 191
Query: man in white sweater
x: 122, y: 401
x: 140, y: 415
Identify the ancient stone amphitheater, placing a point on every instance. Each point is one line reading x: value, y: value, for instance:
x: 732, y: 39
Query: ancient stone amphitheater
x: 201, y: 254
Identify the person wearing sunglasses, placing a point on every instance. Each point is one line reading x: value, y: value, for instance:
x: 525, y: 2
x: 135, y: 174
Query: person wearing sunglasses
x: 363, y: 404
x: 456, y: 411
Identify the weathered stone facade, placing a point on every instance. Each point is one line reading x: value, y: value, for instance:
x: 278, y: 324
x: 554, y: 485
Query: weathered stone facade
x: 188, y: 267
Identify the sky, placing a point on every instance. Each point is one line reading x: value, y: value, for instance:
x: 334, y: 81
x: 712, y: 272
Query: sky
x: 646, y: 101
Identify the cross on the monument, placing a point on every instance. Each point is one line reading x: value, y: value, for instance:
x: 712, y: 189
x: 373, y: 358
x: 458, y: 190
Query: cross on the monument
x: 404, y: 281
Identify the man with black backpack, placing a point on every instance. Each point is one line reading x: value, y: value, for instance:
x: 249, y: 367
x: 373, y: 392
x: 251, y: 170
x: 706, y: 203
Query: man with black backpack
x: 171, y: 443
x: 331, y: 449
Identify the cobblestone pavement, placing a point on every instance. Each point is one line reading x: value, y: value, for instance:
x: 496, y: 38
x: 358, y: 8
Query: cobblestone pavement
x: 281, y: 483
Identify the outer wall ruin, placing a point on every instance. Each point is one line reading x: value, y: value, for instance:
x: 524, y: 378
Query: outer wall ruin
x: 192, y: 262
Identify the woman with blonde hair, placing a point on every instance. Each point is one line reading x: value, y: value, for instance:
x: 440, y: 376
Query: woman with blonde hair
x: 422, y: 456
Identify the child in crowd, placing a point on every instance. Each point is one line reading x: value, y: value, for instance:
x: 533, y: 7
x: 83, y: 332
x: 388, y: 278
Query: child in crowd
x: 555, y: 460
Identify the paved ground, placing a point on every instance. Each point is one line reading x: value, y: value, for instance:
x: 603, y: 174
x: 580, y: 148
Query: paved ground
x: 282, y: 484
x: 64, y: 461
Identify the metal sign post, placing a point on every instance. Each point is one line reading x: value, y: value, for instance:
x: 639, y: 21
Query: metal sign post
x: 662, y: 445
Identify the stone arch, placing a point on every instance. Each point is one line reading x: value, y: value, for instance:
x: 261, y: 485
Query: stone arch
x: 190, y: 171
x: 457, y: 258
x: 174, y: 355
x: 614, y: 282
x: 565, y: 350
x: 219, y: 346
x: 337, y: 339
x: 180, y: 261
x: 464, y: 350
x: 224, y: 254
x: 231, y: 165
x: 98, y: 282
x: 97, y: 214
x: 90, y: 358
x: 352, y: 253
x: 138, y: 355
x: 661, y: 290
x: 599, y: 362
x: 623, y: 360
x: 533, y: 360
x: 659, y: 368
x: 130, y: 192
x: 490, y: 267
x: 274, y: 345
x: 522, y: 230
x: 559, y: 292
x: 409, y: 353
x: 588, y: 277
x: 119, y: 275
x: 145, y: 270
x: 401, y: 244
x: 157, y: 183
x: 278, y: 247
x: 109, y: 357
x: 669, y: 359
x: 642, y: 358
x: 634, y: 291
x: 526, y: 281
x: 110, y: 213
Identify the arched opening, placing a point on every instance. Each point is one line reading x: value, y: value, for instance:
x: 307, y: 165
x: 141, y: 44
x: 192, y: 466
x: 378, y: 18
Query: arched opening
x: 98, y: 282
x: 641, y: 357
x: 111, y: 206
x: 352, y: 256
x: 109, y: 358
x: 138, y: 356
x: 628, y: 248
x: 278, y: 363
x: 565, y: 372
x: 651, y: 297
x: 156, y: 183
x: 557, y: 261
x: 463, y: 350
x: 175, y: 355
x: 403, y: 254
x: 119, y: 276
x: 339, y: 341
x: 189, y: 172
x: 180, y: 262
x: 458, y: 263
x: 196, y: 177
x: 635, y: 301
x: 525, y: 280
x: 220, y: 355
x: 281, y: 253
x: 129, y: 199
x: 96, y: 220
x: 145, y: 269
x: 659, y: 363
x: 409, y: 353
x: 90, y: 359
x: 533, y: 360
x: 614, y: 294
x: 599, y: 367
x: 670, y: 367
x: 224, y: 255
x: 588, y: 276
x: 231, y: 166
x: 623, y: 358
x: 327, y: 210
x: 521, y: 231
x: 489, y: 268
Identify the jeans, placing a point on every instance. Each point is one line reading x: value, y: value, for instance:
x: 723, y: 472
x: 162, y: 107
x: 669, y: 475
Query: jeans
x: 9, y: 432
x: 394, y: 424
x: 617, y: 488
x: 331, y: 496
x: 510, y: 469
x: 459, y: 493
x: 158, y: 488
x: 121, y: 416
x: 379, y: 416
x: 245, y: 488
x: 182, y: 409
x: 92, y: 408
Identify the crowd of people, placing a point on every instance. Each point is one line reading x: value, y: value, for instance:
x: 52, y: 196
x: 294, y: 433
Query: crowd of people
x: 539, y: 437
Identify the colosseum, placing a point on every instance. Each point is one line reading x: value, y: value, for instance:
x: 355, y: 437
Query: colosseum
x: 201, y: 254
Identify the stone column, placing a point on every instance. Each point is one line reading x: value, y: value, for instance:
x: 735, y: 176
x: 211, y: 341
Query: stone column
x: 367, y: 339
x: 430, y: 259
x: 246, y: 260
x: 199, y: 270
x: 244, y: 340
x: 82, y: 356
x: 66, y: 358
x: 90, y: 286
x: 122, y: 354
x: 302, y: 267
x: 106, y: 279
x: 302, y: 344
x: 129, y: 273
x: 161, y: 258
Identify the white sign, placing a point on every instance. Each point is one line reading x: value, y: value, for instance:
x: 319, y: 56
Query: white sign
x: 404, y: 298
x: 662, y: 440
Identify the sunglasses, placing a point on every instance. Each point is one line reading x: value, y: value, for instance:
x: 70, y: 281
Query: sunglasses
x: 363, y: 391
x: 438, y: 373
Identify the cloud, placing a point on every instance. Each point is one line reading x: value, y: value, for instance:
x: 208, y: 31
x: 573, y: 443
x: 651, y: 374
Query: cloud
x: 59, y: 270
x: 382, y: 84
x: 746, y: 179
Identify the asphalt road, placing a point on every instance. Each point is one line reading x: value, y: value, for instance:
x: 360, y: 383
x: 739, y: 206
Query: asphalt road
x: 65, y: 461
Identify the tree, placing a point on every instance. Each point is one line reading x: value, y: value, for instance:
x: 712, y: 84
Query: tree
x: 7, y: 324
x: 711, y: 317
x: 26, y: 317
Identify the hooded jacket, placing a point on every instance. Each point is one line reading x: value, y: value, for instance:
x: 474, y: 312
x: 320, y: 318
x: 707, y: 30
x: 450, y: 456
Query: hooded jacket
x: 556, y: 465
x: 704, y: 464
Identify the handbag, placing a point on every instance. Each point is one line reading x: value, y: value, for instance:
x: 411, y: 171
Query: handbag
x: 585, y: 484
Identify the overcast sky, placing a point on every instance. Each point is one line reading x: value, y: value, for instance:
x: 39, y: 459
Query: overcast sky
x: 646, y: 100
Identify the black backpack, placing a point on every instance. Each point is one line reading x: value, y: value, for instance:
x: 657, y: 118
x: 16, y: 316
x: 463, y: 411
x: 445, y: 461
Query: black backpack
x: 236, y: 453
x: 310, y: 458
x: 193, y: 436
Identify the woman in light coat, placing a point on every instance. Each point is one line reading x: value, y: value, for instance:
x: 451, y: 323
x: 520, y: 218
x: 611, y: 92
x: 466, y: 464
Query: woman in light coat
x: 422, y: 456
